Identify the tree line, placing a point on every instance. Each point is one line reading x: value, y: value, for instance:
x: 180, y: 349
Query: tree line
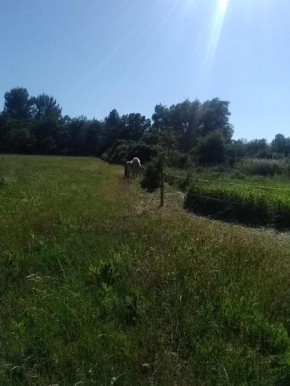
x: 189, y: 131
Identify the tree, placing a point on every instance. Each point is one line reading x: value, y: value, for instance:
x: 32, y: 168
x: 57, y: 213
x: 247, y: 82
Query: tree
x: 215, y: 116
x: 190, y: 120
x: 92, y: 134
x: 185, y: 120
x: 161, y: 117
x: 17, y: 103
x: 211, y: 148
x: 111, y: 132
x: 113, y: 120
x: 45, y: 106
x: 256, y: 146
x: 134, y: 126
x: 77, y: 131
x: 19, y: 137
x: 281, y: 144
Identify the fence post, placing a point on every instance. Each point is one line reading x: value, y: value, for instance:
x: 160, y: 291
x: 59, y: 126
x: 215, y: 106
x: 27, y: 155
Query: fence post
x: 161, y: 181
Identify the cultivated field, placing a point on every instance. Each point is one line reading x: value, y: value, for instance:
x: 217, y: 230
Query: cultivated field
x: 251, y: 200
x: 97, y: 288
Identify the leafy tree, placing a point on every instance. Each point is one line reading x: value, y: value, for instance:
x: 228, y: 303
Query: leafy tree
x: 45, y: 106
x: 161, y: 117
x: 134, y: 126
x: 112, y: 131
x: 256, y: 146
x: 3, y: 133
x: 113, y: 120
x: 190, y: 120
x: 237, y: 148
x: 281, y: 144
x: 17, y: 103
x: 185, y: 119
x: 215, y: 116
x: 19, y: 137
x: 152, y: 136
x: 77, y: 129
x: 124, y: 150
x: 35, y: 125
x: 210, y: 149
x: 63, y: 136
x: 92, y: 134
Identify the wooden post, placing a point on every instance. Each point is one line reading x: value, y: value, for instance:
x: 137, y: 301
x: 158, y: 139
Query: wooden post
x: 161, y: 182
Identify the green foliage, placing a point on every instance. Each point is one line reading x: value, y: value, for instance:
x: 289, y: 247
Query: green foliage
x: 281, y: 144
x: 178, y: 160
x: 190, y: 120
x: 256, y: 146
x: 210, y: 149
x: 125, y: 150
x: 151, y: 175
x: 134, y: 126
x: 17, y: 103
x: 45, y: 106
x: 186, y: 133
x: 263, y: 167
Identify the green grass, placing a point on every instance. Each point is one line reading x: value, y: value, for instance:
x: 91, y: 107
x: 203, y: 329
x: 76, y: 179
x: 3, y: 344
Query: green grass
x: 264, y: 167
x: 97, y: 290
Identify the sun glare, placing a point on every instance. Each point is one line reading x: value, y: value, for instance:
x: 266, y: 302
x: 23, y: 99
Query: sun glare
x: 217, y: 25
x: 223, y: 5
x: 214, y: 37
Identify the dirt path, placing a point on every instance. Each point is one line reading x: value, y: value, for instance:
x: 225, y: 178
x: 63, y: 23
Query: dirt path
x: 173, y: 201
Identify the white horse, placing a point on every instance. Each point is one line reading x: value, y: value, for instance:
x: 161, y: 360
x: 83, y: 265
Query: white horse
x: 133, y: 168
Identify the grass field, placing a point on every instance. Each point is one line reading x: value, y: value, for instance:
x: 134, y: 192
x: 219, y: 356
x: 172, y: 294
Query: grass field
x: 97, y: 288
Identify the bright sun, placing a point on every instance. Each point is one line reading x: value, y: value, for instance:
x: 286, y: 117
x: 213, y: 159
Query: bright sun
x: 216, y: 26
x: 223, y: 5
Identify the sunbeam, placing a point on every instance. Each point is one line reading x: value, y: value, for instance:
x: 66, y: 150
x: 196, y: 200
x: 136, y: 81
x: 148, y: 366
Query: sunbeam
x: 214, y: 37
x: 216, y: 30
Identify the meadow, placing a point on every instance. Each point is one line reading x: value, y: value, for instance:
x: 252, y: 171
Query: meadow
x: 99, y: 288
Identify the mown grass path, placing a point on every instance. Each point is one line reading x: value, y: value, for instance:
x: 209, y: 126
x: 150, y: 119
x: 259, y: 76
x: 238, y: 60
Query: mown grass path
x: 98, y: 289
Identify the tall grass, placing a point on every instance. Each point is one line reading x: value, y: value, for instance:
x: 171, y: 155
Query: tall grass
x: 264, y: 167
x: 96, y: 290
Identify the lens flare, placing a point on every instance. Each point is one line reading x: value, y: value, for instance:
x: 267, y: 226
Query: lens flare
x: 216, y: 29
x: 214, y: 37
x: 223, y: 5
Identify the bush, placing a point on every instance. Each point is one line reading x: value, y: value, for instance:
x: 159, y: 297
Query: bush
x: 122, y: 151
x: 151, y: 175
x: 210, y: 149
x: 178, y: 160
x: 264, y: 167
x: 180, y: 183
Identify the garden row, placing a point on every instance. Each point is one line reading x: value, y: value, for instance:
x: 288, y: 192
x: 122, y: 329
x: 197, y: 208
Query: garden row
x: 250, y: 205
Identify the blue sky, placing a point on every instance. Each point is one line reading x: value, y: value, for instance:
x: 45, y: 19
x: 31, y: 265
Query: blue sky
x: 96, y: 55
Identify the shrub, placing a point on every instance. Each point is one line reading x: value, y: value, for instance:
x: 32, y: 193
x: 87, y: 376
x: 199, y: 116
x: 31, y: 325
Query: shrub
x: 125, y: 150
x: 151, y: 175
x: 210, y: 149
x: 178, y: 160
x: 264, y: 167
